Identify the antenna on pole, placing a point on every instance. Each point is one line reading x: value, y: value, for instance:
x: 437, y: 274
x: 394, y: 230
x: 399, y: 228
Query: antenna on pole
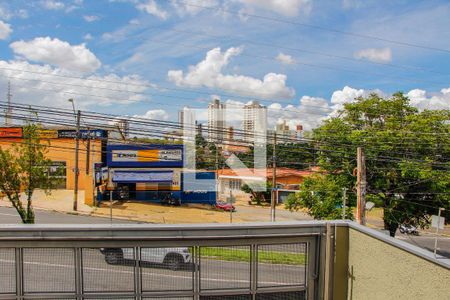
x: 8, y: 110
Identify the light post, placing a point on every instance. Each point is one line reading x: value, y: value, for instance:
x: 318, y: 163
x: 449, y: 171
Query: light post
x: 77, y: 115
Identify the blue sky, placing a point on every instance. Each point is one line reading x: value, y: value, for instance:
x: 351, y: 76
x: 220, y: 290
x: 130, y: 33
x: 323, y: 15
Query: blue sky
x: 150, y: 58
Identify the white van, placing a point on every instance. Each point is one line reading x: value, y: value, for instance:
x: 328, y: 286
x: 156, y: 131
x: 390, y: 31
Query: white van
x: 171, y: 258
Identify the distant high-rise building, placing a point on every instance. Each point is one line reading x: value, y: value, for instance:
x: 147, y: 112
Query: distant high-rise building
x: 230, y: 134
x: 285, y: 134
x: 253, y: 113
x: 216, y: 121
x: 199, y: 128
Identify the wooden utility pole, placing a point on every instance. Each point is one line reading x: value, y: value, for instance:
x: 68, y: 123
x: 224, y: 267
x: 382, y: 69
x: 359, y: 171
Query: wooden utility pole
x: 361, y: 186
x: 273, y: 202
x: 77, y: 171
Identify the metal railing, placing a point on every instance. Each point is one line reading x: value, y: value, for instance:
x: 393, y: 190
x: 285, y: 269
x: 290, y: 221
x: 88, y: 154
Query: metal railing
x: 257, y: 261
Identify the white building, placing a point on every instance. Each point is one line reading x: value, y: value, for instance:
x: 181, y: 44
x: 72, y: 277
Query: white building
x: 216, y: 121
x: 255, y: 117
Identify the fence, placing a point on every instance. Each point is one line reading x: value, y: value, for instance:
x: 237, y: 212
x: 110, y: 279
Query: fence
x: 257, y: 261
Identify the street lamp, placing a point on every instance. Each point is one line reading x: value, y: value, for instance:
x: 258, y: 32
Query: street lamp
x: 77, y: 145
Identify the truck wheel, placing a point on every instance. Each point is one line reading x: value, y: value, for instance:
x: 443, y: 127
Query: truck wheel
x: 173, y: 262
x: 114, y: 256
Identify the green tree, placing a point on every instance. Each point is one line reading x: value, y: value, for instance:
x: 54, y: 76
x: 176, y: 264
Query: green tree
x: 259, y: 196
x: 23, y: 170
x: 322, y: 195
x: 406, y: 152
x: 289, y: 155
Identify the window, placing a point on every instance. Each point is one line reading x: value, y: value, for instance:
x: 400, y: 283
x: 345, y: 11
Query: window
x: 235, y: 184
x: 57, y: 171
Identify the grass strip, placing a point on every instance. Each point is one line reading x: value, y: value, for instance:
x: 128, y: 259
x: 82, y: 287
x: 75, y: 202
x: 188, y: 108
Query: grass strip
x: 268, y: 257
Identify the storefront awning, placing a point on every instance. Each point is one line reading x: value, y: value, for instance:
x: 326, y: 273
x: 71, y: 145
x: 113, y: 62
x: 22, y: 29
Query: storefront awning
x: 142, y: 176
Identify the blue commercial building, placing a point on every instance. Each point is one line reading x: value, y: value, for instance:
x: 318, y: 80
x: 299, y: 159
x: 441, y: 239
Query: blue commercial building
x: 154, y: 173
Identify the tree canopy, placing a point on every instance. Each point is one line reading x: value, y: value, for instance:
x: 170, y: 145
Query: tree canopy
x: 407, y: 158
x: 23, y: 170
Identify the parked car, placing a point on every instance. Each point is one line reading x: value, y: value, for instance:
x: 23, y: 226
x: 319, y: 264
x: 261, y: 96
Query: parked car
x: 408, y: 229
x: 171, y: 258
x: 225, y: 206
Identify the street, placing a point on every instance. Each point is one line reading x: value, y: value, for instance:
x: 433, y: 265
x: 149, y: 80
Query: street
x: 9, y: 216
x: 52, y: 270
x: 426, y: 241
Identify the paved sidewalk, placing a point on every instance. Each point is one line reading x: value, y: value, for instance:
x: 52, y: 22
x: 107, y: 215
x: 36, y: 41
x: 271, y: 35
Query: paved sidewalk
x: 57, y: 200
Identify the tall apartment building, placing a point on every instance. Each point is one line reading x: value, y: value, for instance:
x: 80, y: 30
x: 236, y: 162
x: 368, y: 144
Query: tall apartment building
x: 255, y: 117
x: 216, y: 121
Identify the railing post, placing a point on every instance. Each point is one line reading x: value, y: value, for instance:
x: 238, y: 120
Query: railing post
x: 328, y: 261
x: 78, y: 273
x: 137, y: 273
x: 196, y: 273
x: 19, y: 272
x: 253, y: 269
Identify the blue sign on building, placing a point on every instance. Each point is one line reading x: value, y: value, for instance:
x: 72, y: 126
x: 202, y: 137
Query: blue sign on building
x: 145, y: 156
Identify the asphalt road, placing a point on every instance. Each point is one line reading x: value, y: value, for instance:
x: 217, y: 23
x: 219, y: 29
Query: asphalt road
x: 52, y: 270
x: 9, y: 216
x: 426, y: 241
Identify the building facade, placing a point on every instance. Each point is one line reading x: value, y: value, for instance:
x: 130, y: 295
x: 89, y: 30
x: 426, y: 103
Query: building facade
x: 216, y: 121
x: 60, y: 149
x: 230, y: 182
x: 255, y: 116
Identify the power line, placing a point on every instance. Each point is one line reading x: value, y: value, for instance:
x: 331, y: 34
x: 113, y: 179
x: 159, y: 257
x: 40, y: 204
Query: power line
x: 277, y: 46
x: 316, y: 27
x: 161, y: 133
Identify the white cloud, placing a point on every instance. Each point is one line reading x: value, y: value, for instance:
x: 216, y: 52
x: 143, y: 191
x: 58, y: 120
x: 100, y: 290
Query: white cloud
x: 88, y: 37
x: 346, y: 95
x: 58, y: 53
x: 52, y: 5
x: 91, y: 18
x: 425, y: 100
x: 382, y: 55
x: 5, y: 30
x: 288, y: 8
x: 22, y: 13
x: 152, y: 8
x: 192, y: 7
x: 208, y: 73
x: 154, y: 114
x: 285, y: 59
x: 5, y: 14
x: 31, y: 85
x: 312, y: 111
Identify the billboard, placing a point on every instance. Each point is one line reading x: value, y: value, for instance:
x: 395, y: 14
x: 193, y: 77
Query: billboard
x: 10, y: 132
x: 145, y: 156
x: 48, y: 134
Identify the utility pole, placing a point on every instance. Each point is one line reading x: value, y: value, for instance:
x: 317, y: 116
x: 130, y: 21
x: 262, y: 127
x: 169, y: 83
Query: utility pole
x: 273, y: 202
x: 437, y: 230
x: 77, y: 172
x: 361, y: 186
x: 344, y: 202
x: 88, y: 151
